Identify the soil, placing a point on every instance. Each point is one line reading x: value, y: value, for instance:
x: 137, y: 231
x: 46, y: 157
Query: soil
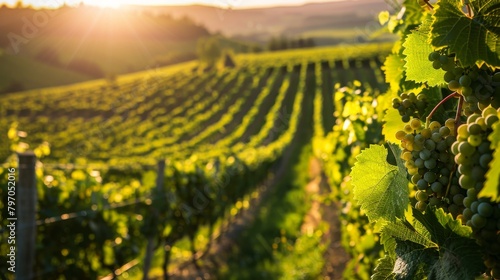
x: 335, y: 256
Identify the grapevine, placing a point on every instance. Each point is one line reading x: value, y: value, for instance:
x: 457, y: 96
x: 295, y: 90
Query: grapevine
x: 448, y: 103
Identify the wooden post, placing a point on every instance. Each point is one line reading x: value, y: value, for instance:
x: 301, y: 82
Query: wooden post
x: 160, y: 179
x: 26, y: 214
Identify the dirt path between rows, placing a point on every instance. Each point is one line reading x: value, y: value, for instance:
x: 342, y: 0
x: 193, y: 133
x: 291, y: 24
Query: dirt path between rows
x: 335, y: 256
x: 231, y: 231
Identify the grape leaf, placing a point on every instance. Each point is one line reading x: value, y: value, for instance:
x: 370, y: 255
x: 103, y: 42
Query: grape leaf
x: 491, y: 186
x: 393, y: 69
x: 416, y: 50
x: 459, y: 254
x: 413, y: 260
x: 379, y: 187
x: 403, y: 231
x: 383, y: 270
x: 473, y: 39
x: 392, y: 124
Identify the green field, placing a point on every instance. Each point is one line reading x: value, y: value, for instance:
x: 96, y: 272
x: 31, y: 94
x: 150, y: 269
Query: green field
x: 247, y: 123
x: 360, y: 161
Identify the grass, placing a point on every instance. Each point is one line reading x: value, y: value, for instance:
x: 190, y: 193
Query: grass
x: 33, y: 74
x: 273, y: 247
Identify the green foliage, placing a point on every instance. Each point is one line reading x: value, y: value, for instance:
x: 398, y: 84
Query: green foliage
x: 444, y: 251
x: 393, y: 69
x: 440, y: 240
x: 209, y: 50
x: 491, y: 187
x: 416, y: 50
x: 473, y: 39
x: 380, y: 187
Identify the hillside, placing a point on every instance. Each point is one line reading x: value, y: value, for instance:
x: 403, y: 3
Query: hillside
x: 218, y: 135
x: 90, y: 43
x: 22, y: 73
x: 261, y: 23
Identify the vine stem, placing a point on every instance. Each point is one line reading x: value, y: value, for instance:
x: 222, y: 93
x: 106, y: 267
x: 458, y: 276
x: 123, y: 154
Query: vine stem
x: 457, y: 123
x: 458, y: 113
x: 429, y: 117
x: 469, y: 10
x: 429, y: 4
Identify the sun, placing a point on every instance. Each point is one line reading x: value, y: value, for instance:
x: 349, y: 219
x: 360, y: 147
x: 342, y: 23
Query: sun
x: 107, y: 3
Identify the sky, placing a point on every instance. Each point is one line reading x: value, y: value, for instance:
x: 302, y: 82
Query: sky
x: 116, y: 3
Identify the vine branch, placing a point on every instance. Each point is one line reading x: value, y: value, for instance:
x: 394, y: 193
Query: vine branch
x: 429, y: 117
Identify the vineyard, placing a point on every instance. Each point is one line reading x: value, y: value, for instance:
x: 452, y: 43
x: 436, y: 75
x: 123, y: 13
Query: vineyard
x: 154, y: 173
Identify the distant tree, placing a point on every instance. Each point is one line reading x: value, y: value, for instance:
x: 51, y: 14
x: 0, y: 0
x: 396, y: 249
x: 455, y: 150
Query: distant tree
x: 48, y: 55
x: 209, y: 50
x: 13, y: 86
x: 228, y: 60
x: 283, y: 43
x: 86, y: 67
x: 310, y: 43
x: 256, y: 49
x: 273, y: 44
x: 301, y: 43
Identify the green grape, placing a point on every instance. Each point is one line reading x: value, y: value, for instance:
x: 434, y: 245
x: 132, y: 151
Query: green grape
x: 437, y: 187
x: 462, y: 132
x: 475, y: 140
x: 490, y: 121
x: 454, y: 85
x: 421, y: 196
x: 466, y: 149
x: 420, y: 206
x: 467, y: 213
x: 484, y: 160
x: 466, y: 91
x: 430, y: 177
x: 485, y: 209
x: 433, y: 56
x: 436, y: 64
x: 472, y: 118
x: 422, y: 184
x: 443, y: 59
x: 449, y: 76
x: 425, y: 154
x: 415, y: 123
x: 400, y: 135
x: 454, y: 148
x: 458, y: 199
x: 465, y: 169
x: 473, y: 206
x: 415, y: 178
x: 444, y: 131
x: 478, y: 221
x: 465, y: 81
x: 430, y: 163
x: 477, y: 173
x: 434, y: 201
x: 450, y: 123
x: 466, y: 182
x: 434, y: 125
x: 426, y: 132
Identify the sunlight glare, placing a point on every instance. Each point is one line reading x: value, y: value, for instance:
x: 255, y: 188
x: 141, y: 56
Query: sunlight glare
x: 107, y: 3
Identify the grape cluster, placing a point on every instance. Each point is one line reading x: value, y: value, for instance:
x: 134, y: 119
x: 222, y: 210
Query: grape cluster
x: 472, y: 155
x: 429, y: 161
x: 480, y: 87
x: 410, y: 105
